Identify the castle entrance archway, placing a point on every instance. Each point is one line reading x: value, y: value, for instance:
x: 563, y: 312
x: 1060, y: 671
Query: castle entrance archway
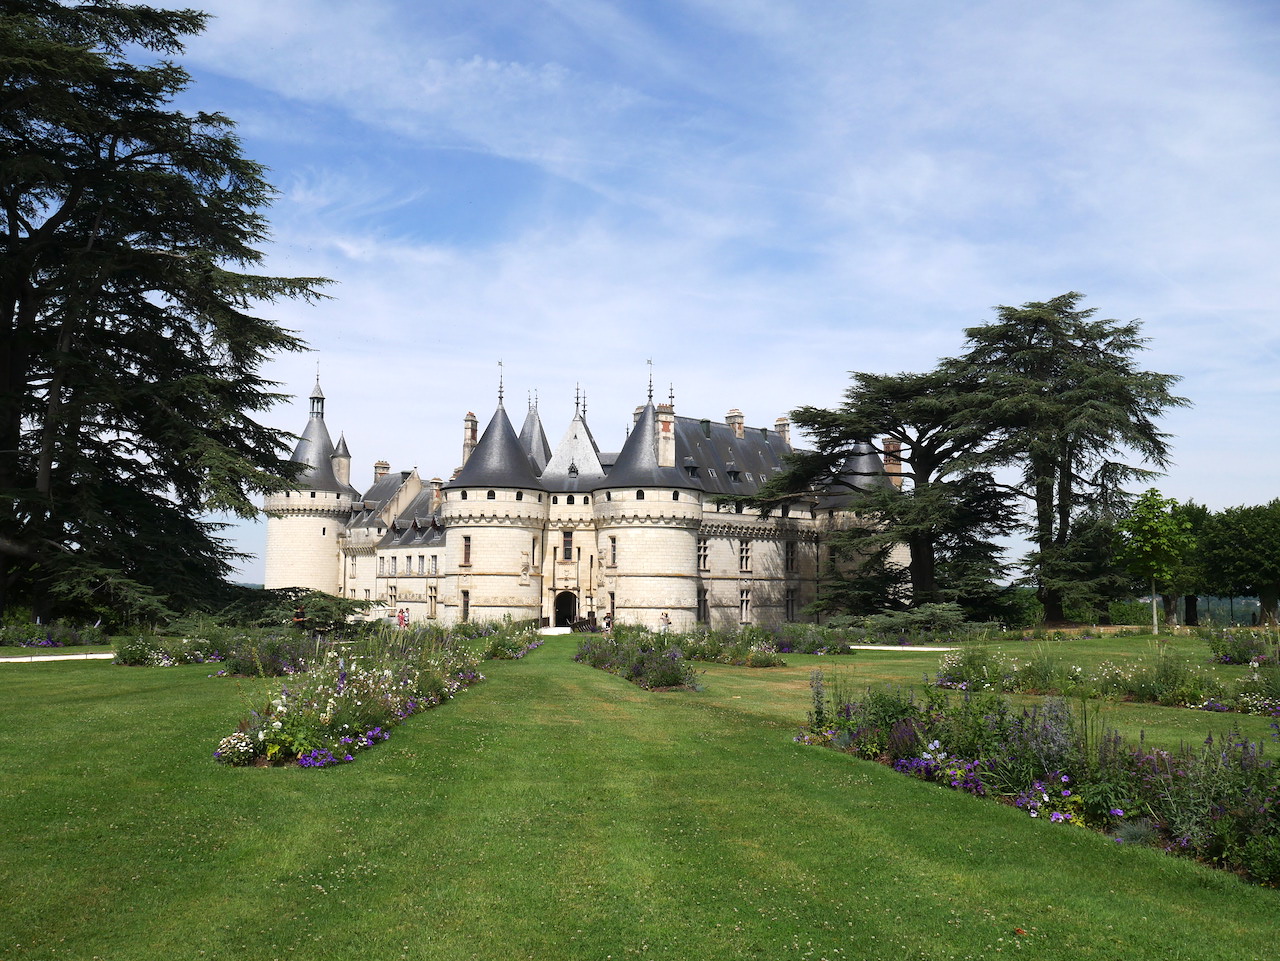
x: 566, y: 608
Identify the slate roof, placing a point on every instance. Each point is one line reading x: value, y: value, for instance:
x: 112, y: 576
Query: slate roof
x: 416, y: 526
x: 375, y: 498
x: 315, y: 449
x: 498, y: 460
x: 637, y: 464
x: 575, y: 465
x: 534, y: 439
x: 863, y: 470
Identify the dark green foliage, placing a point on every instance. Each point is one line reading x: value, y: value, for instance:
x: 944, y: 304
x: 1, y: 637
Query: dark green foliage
x: 129, y: 358
x: 946, y: 510
x: 1242, y: 554
x: 1066, y: 401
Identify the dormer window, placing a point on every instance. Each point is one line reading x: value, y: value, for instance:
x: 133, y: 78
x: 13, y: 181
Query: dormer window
x: 735, y: 476
x: 573, y: 470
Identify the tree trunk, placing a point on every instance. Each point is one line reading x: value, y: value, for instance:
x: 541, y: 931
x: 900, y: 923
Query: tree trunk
x: 1170, y: 604
x: 1268, y: 597
x: 1191, y: 605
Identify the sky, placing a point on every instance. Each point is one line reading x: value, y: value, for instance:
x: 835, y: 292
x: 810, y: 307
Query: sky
x: 749, y: 199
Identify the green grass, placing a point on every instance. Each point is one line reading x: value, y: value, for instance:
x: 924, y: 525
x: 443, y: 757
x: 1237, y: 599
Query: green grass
x: 552, y: 811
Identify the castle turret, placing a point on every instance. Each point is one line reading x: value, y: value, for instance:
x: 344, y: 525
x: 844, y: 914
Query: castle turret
x: 494, y: 513
x: 648, y: 512
x: 303, y: 523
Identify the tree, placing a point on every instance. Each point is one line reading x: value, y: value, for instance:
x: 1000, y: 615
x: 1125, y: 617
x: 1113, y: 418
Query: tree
x: 1241, y: 547
x: 1065, y: 400
x: 1155, y: 541
x: 945, y: 515
x: 129, y: 356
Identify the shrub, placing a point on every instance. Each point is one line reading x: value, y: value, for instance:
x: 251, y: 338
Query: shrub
x: 641, y: 658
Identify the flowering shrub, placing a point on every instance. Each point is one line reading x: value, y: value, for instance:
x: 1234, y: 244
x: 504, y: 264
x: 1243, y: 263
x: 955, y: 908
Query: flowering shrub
x: 1236, y: 645
x: 347, y: 704
x: 513, y: 646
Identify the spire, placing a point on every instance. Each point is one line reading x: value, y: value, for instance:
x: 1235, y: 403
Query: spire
x: 650, y: 363
x: 317, y: 399
x: 499, y: 384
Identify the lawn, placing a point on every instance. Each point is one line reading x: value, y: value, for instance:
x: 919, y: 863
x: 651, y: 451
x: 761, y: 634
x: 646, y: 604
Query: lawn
x: 552, y: 811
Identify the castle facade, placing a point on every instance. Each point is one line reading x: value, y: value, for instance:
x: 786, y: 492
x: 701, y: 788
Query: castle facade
x: 651, y: 535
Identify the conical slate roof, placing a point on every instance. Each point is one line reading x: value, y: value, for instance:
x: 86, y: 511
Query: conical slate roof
x: 637, y: 464
x: 575, y: 465
x: 534, y: 439
x: 315, y: 449
x: 498, y: 460
x: 863, y: 471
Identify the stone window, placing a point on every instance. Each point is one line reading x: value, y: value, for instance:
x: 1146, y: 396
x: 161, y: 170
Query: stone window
x: 613, y: 552
x: 744, y: 556
x: 704, y: 554
x: 568, y: 546
x: 639, y: 495
x: 790, y: 602
x: 744, y: 606
x: 491, y: 496
x: 789, y: 557
x: 466, y: 550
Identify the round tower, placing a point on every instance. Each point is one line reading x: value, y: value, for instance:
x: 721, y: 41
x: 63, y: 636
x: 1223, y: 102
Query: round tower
x: 303, y: 523
x: 648, y: 513
x: 494, y: 513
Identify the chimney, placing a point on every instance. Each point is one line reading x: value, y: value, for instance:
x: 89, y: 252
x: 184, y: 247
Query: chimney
x: 783, y: 427
x: 666, y: 435
x: 469, y: 436
x: 892, y: 462
x: 436, y: 485
x: 380, y: 470
x: 735, y: 420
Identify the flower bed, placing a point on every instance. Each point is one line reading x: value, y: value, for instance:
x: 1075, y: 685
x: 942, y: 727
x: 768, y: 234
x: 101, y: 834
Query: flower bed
x: 1161, y: 679
x: 650, y: 661
x: 1219, y: 803
x: 345, y: 705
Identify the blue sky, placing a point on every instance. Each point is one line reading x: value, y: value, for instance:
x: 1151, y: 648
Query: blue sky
x: 758, y: 195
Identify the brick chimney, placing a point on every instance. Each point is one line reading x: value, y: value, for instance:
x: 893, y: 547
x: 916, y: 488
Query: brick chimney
x: 735, y: 420
x: 783, y: 427
x: 892, y: 462
x: 380, y: 470
x: 470, y: 435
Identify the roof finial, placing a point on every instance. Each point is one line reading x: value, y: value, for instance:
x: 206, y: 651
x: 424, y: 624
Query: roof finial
x: 577, y: 399
x: 499, y: 383
x: 671, y: 395
x: 531, y: 404
x: 650, y: 363
x: 584, y: 405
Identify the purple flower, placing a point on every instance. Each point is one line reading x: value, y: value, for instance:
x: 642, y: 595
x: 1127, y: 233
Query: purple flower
x: 1118, y: 813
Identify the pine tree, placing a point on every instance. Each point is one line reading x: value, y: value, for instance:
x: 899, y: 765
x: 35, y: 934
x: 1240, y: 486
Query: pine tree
x: 1066, y: 401
x: 130, y: 353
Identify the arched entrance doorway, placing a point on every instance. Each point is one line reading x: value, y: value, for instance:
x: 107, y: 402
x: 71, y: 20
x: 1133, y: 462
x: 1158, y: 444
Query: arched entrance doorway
x: 566, y: 609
